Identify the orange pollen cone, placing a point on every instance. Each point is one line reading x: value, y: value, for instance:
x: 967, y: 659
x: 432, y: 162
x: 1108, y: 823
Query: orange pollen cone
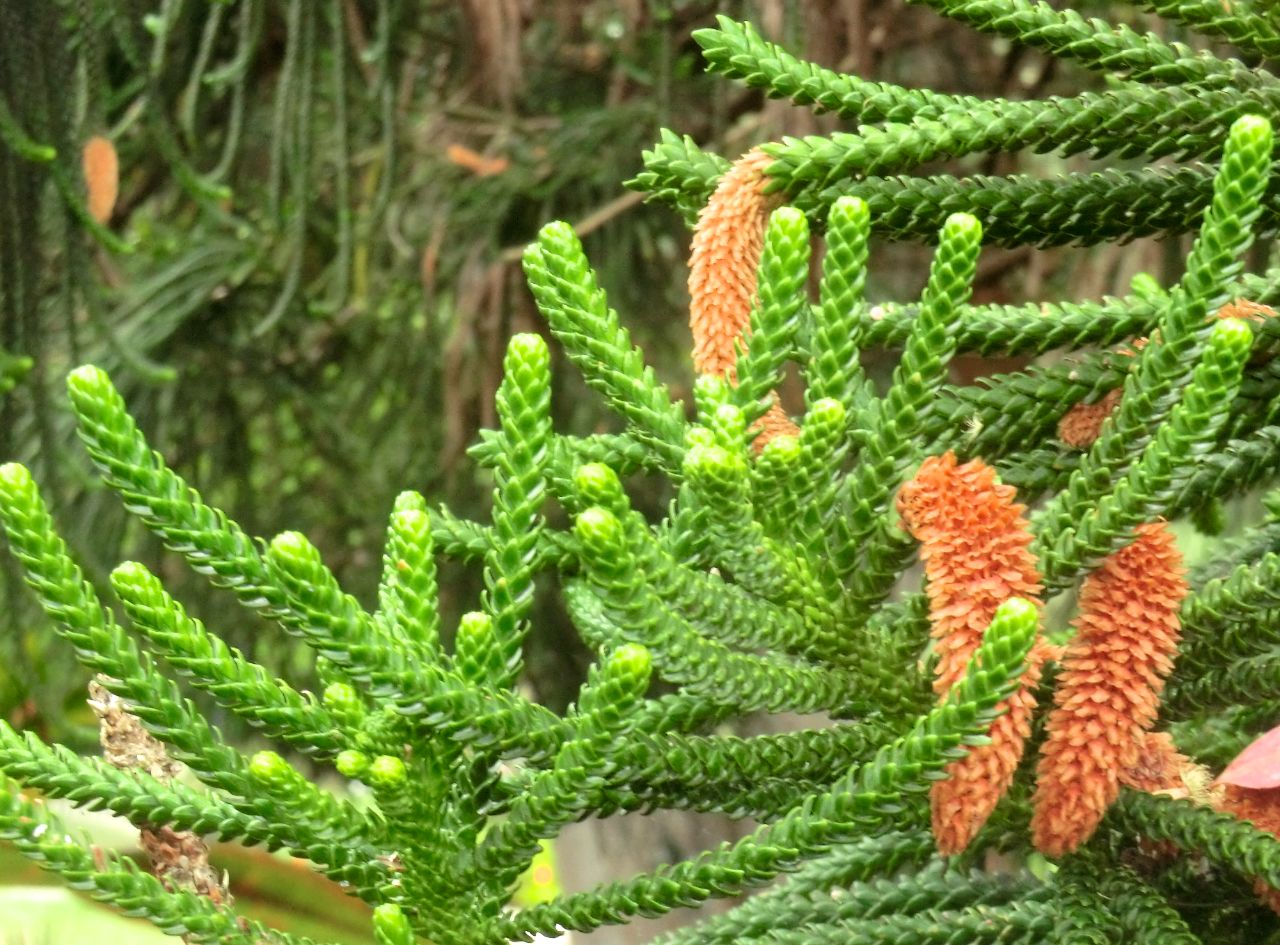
x: 101, y: 170
x: 974, y: 545
x: 727, y: 243
x: 1108, y: 690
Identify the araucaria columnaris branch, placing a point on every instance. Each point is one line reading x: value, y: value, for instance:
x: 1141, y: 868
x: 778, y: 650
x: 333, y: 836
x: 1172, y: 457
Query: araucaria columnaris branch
x: 1082, y: 424
x: 1108, y: 690
x: 974, y: 545
x: 725, y: 252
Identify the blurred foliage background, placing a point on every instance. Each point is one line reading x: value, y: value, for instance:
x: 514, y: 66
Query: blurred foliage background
x: 306, y: 280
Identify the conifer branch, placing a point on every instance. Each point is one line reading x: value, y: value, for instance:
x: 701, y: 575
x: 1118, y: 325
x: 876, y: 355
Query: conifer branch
x: 737, y: 50
x: 1242, y: 24
x: 840, y: 328
x: 564, y: 791
x: 848, y: 863
x: 238, y: 684
x: 116, y: 880
x: 1141, y: 57
x: 1183, y: 121
x: 774, y: 580
x: 1221, y: 838
x: 135, y: 795
x: 725, y: 612
x: 578, y: 313
x: 211, y: 542
x: 1037, y: 327
x: 408, y: 595
x: 859, y: 800
x: 893, y: 424
x: 524, y: 409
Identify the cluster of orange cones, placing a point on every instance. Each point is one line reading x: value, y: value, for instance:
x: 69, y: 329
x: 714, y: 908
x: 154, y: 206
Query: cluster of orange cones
x: 975, y: 549
x: 974, y: 545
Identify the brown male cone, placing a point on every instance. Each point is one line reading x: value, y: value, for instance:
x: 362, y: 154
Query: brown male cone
x: 727, y: 243
x: 1108, y: 691
x: 974, y: 545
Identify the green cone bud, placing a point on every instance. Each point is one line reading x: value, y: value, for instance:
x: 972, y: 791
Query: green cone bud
x: 269, y: 767
x: 782, y: 450
x: 630, y: 659
x: 351, y: 763
x: 597, y: 484
x: 386, y: 771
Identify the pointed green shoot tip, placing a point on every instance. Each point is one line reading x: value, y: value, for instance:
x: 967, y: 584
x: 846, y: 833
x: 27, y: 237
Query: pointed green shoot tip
x: 701, y: 455
x: 1015, y: 616
x: 130, y: 570
x: 597, y: 527
x: 698, y: 436
x: 1249, y: 126
x: 827, y: 409
x: 390, y: 927
x: 713, y: 461
x: 556, y: 232
x: 531, y: 257
x: 848, y: 210
x: 414, y: 520
x: 631, y: 659
x: 731, y: 418
x: 789, y: 220
x: 713, y: 464
x: 960, y: 225
x: 709, y: 456
x: 1017, y: 608
x: 597, y: 483
x: 782, y: 449
x: 130, y: 573
x: 475, y: 621
x: 528, y: 346
x: 341, y: 696
x: 387, y: 771
x: 290, y: 545
x: 710, y: 388
x: 1232, y: 333
x: 269, y: 767
x: 88, y: 377
x: 15, y: 476
x: 408, y: 501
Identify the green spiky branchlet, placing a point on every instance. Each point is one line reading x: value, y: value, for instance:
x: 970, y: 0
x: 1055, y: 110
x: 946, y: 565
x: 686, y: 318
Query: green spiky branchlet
x: 783, y: 271
x: 892, y: 439
x: 775, y: 583
x: 408, y: 592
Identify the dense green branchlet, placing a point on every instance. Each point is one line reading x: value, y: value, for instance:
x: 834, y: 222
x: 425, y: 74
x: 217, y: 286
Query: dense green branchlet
x: 783, y: 273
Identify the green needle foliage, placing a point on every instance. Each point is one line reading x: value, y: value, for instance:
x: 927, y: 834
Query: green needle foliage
x: 315, y: 237
x: 779, y: 580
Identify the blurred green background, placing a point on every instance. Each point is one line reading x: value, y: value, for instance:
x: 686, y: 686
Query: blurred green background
x: 305, y: 284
